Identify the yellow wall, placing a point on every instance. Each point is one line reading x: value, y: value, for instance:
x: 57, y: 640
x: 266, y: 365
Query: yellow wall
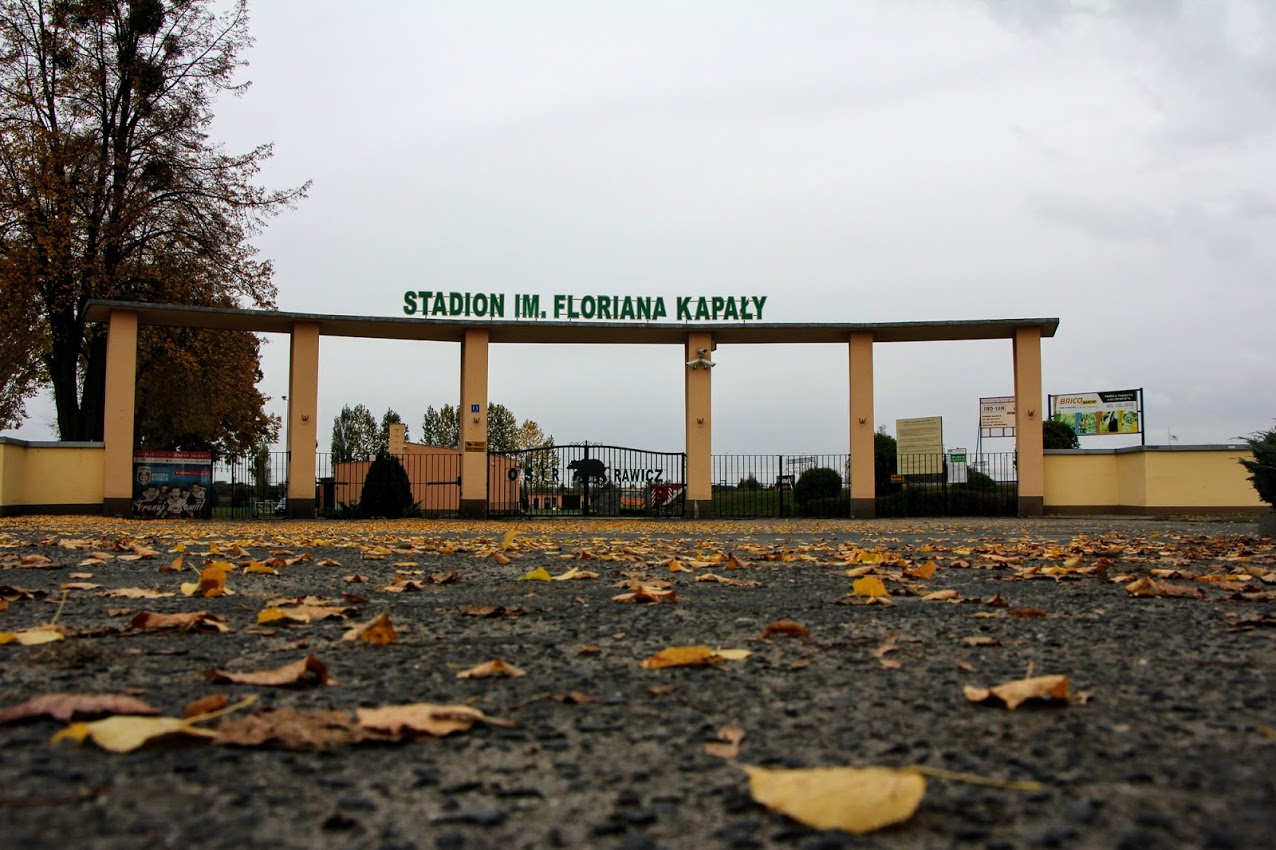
x: 50, y: 475
x: 1152, y: 480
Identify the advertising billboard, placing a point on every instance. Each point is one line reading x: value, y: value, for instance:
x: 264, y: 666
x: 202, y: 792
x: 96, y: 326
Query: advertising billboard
x: 1102, y: 413
x: 172, y: 485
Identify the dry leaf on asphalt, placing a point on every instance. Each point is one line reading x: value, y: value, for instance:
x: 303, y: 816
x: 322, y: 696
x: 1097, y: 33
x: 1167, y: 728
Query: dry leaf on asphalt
x: 538, y: 574
x: 575, y: 573
x: 212, y: 581
x: 189, y: 621
x: 870, y: 586
x: 493, y: 611
x: 306, y: 672
x: 1146, y: 587
x: 203, y: 705
x: 292, y: 730
x: 852, y: 799
x: 728, y: 744
x: 68, y: 706
x: 923, y: 572
x: 423, y: 719
x: 495, y: 667
x: 785, y: 627
x: 124, y: 733
x: 32, y: 637
x: 1013, y: 694
x: 378, y: 631
x: 942, y: 596
x: 692, y: 656
x: 138, y: 593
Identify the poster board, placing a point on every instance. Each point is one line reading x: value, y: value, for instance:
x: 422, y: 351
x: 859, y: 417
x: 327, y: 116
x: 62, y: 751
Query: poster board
x: 172, y: 485
x: 920, y: 445
x: 997, y: 416
x: 1106, y: 413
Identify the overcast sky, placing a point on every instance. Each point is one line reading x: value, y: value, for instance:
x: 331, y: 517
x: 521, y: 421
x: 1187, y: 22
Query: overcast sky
x: 1107, y: 163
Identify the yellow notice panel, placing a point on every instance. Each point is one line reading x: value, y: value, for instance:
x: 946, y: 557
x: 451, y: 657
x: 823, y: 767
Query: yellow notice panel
x: 476, y: 445
x: 920, y: 445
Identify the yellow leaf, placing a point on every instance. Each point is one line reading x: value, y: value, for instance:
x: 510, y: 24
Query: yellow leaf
x: 732, y: 654
x: 852, y: 799
x: 508, y: 540
x: 679, y: 656
x: 258, y: 567
x: 869, y: 586
x: 495, y: 667
x: 31, y: 637
x: 378, y: 631
x: 925, y: 571
x: 500, y: 559
x: 538, y: 574
x: 271, y: 615
x: 125, y: 733
x: 1013, y: 694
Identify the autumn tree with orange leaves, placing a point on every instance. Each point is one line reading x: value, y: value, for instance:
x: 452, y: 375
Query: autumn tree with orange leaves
x: 110, y: 188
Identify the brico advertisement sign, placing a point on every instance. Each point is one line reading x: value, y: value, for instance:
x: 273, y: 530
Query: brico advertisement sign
x: 1093, y: 414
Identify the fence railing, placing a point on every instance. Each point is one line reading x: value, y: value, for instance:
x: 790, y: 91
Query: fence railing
x: 744, y: 485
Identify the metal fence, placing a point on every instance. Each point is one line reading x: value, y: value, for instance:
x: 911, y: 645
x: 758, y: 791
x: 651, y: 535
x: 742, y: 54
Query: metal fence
x: 252, y: 486
x: 586, y: 479
x: 933, y: 485
x: 763, y: 485
x: 433, y: 474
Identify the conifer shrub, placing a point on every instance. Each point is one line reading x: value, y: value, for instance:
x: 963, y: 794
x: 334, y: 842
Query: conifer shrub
x: 386, y: 491
x: 1262, y: 468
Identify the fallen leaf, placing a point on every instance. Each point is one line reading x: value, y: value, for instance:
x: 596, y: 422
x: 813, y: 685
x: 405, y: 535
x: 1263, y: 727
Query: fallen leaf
x: 1013, y: 694
x: 538, y: 574
x: 575, y: 573
x: 1146, y: 587
x: 493, y: 611
x: 942, y: 596
x: 495, y: 667
x: 124, y: 733
x: 925, y: 571
x: 869, y: 586
x: 980, y: 640
x: 32, y: 637
x: 855, y: 800
x: 203, y: 705
x: 198, y: 621
x: 306, y: 672
x: 68, y: 706
x: 138, y: 593
x: 679, y: 656
x: 423, y: 719
x: 730, y: 736
x: 293, y: 730
x: 785, y: 627
x: 258, y: 567
x: 378, y: 631
x: 1027, y: 613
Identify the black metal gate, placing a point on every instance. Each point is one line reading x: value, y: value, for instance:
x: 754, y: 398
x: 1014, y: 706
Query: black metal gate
x: 932, y: 485
x: 586, y: 479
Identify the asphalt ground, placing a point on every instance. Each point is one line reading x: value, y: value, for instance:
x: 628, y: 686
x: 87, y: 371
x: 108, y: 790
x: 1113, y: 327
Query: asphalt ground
x: 1167, y: 740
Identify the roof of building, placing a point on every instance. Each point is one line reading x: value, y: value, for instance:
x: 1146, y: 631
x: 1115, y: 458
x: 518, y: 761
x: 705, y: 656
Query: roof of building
x: 541, y: 331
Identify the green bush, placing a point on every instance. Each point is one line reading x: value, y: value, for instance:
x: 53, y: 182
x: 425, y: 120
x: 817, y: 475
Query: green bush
x: 834, y: 506
x: 885, y: 463
x: 1058, y: 434
x: 818, y: 482
x: 386, y: 490
x: 1262, y: 468
x: 749, y: 482
x: 976, y: 480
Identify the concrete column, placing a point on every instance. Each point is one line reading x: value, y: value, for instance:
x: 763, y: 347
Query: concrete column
x: 474, y: 423
x: 117, y: 423
x: 699, y: 412
x: 863, y: 486
x: 303, y: 418
x: 1028, y: 412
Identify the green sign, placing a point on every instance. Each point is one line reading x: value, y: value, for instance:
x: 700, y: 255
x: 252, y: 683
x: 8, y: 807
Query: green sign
x: 429, y: 304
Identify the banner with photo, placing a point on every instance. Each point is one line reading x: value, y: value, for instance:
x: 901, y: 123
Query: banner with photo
x: 172, y: 485
x: 1102, y: 413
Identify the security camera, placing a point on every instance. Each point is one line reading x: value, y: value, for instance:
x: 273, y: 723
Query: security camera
x: 707, y: 364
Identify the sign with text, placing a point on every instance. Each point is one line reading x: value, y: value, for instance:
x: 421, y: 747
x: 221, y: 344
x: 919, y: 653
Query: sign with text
x: 997, y: 416
x: 172, y: 485
x: 1102, y: 413
x: 432, y: 304
x: 920, y: 445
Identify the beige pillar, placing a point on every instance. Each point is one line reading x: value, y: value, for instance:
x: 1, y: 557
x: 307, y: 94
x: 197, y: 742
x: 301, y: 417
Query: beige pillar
x: 474, y: 423
x: 1028, y: 413
x: 117, y: 415
x: 398, y: 439
x: 303, y: 418
x: 699, y: 412
x: 863, y: 487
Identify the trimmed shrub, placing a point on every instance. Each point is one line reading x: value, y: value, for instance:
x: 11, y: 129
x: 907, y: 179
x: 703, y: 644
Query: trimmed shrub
x: 976, y: 480
x: 833, y: 507
x: 386, y: 491
x: 749, y: 482
x: 885, y: 463
x: 818, y: 482
x: 1057, y: 434
x: 1262, y: 469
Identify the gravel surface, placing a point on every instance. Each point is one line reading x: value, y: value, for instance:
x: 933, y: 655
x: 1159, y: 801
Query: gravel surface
x: 1169, y: 745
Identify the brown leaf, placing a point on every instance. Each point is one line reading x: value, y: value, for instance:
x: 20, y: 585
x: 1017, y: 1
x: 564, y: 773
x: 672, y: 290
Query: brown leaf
x: 980, y: 640
x: 1146, y: 587
x: 138, y: 593
x: 998, y: 601
x: 502, y: 611
x: 730, y: 736
x: 785, y: 627
x: 68, y: 706
x: 205, y: 705
x: 197, y: 621
x: 495, y: 667
x: 306, y: 672
x: 1014, y: 693
x: 378, y: 631
x: 292, y: 730
x: 423, y: 719
x: 1027, y: 613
